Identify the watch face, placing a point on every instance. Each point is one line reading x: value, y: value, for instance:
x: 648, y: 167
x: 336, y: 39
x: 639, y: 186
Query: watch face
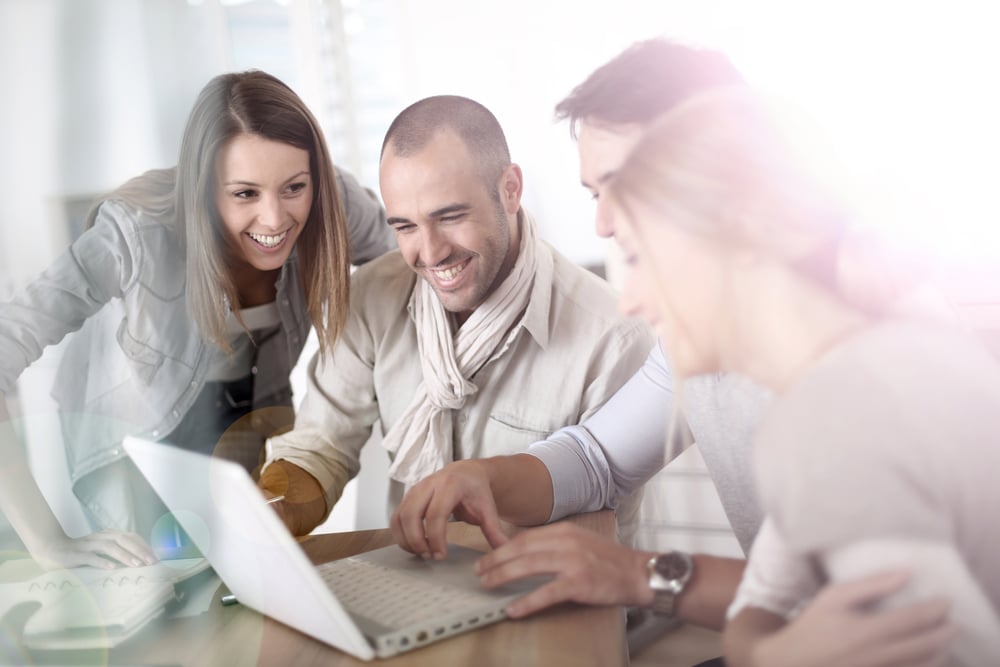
x: 672, y: 566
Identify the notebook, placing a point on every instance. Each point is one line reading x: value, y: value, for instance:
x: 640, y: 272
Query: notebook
x: 88, y: 608
x: 375, y: 604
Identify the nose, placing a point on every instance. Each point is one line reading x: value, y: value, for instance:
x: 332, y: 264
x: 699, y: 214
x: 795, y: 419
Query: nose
x: 434, y: 246
x: 603, y: 219
x: 271, y: 213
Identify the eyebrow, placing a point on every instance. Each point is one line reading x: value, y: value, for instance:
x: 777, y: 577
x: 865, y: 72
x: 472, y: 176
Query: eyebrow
x: 285, y: 182
x: 442, y: 212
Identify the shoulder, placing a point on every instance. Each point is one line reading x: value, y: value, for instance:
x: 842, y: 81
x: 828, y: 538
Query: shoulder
x: 142, y: 247
x: 385, y: 282
x: 580, y: 311
x: 577, y: 289
x: 897, y: 376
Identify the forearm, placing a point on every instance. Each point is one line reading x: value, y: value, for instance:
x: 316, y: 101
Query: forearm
x: 709, y: 592
x: 21, y: 500
x: 744, y: 632
x: 522, y: 488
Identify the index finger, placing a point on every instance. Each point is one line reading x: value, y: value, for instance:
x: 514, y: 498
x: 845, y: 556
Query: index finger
x: 407, y: 523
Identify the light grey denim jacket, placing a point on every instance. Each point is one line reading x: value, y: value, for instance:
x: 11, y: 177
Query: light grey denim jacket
x: 139, y: 361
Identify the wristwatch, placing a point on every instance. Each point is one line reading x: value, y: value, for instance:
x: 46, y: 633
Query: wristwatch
x: 669, y: 573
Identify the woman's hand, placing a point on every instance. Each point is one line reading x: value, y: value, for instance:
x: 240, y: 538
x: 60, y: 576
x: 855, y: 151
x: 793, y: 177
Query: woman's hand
x: 108, y: 549
x: 841, y: 627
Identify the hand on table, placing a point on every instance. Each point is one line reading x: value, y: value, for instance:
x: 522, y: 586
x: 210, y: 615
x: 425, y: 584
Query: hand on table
x: 586, y: 567
x: 107, y: 550
x: 839, y: 627
x: 462, y: 489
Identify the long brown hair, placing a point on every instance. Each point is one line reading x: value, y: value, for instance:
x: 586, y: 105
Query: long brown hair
x: 259, y: 104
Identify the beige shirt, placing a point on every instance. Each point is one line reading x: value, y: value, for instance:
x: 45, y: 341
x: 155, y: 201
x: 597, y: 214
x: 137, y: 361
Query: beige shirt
x: 563, y: 359
x: 885, y: 454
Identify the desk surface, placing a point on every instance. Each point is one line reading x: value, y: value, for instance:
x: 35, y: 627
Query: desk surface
x: 567, y: 635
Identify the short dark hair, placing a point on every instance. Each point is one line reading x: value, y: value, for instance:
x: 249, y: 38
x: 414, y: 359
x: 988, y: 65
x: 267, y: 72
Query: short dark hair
x: 475, y: 125
x: 644, y: 81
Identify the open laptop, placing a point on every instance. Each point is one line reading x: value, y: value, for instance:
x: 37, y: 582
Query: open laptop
x: 379, y: 603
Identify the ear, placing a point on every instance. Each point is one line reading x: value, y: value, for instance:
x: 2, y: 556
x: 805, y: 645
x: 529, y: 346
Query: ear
x: 511, y: 188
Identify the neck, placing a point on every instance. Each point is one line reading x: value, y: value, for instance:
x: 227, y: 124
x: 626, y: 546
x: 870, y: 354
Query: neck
x: 255, y: 288
x: 787, y: 326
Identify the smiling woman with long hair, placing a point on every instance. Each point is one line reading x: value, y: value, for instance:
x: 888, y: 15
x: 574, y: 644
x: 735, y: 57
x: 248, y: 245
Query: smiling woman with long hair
x: 194, y: 289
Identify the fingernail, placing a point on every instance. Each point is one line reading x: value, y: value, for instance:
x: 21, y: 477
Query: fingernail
x: 438, y: 555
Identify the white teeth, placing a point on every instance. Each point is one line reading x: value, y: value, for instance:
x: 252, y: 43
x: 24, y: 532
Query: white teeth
x: 449, y: 274
x: 268, y: 241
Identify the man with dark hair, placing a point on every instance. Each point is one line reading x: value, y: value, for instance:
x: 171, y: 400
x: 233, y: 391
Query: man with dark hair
x: 455, y: 342
x: 643, y: 81
x: 599, y: 463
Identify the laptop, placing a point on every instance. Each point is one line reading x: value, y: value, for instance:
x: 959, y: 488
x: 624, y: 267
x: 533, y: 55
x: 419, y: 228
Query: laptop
x: 375, y: 604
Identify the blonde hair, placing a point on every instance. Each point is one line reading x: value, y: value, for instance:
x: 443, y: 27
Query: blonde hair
x: 722, y: 166
x: 182, y: 198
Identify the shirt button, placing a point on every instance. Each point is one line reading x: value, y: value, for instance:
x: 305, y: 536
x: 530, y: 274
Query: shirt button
x: 155, y: 433
x: 115, y: 451
x: 253, y: 370
x: 175, y: 414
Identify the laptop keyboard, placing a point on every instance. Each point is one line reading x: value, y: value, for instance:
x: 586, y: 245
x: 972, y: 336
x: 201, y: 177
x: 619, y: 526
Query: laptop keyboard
x: 392, y: 598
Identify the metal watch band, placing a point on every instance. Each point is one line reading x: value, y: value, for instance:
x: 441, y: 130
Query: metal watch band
x: 669, y: 574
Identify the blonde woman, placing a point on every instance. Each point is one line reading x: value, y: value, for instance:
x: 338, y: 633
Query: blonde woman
x: 878, y: 455
x: 194, y: 288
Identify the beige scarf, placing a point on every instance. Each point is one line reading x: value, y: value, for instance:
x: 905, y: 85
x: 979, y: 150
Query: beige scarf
x: 422, y: 439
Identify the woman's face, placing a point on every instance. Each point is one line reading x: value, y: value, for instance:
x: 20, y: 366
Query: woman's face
x: 675, y: 281
x: 263, y: 193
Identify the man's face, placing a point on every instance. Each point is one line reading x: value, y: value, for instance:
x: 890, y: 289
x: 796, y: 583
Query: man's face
x: 452, y: 230
x: 603, y: 148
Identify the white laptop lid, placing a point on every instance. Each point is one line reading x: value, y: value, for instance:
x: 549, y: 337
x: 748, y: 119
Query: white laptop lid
x: 225, y: 515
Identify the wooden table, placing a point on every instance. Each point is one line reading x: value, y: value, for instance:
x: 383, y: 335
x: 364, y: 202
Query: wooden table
x: 566, y: 635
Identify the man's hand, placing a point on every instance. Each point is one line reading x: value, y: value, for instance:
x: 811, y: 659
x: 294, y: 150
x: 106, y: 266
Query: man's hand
x: 106, y: 550
x: 303, y: 505
x: 586, y: 567
x: 842, y: 627
x: 461, y: 489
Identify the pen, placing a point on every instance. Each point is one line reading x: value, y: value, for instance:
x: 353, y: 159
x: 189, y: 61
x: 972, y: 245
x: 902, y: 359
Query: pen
x: 274, y: 500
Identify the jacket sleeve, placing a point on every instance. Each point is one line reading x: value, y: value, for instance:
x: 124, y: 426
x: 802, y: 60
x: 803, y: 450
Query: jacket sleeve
x: 369, y: 233
x: 337, y: 413
x: 97, y: 267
